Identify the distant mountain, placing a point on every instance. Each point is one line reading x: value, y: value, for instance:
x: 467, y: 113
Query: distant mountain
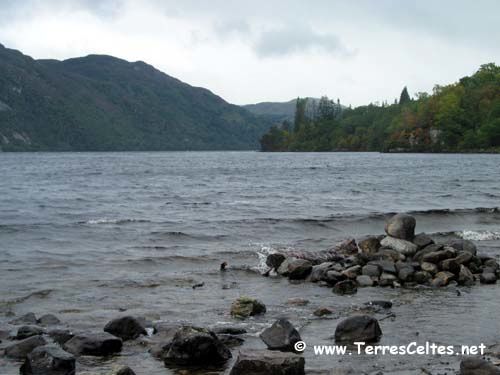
x: 277, y: 111
x: 102, y: 103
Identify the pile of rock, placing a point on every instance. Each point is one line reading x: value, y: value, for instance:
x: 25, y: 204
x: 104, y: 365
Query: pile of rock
x: 398, y: 258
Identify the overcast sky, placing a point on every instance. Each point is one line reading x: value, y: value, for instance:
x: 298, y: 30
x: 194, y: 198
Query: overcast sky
x: 265, y: 50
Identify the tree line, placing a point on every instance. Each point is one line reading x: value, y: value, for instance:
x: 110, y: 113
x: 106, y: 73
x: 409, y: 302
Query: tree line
x: 460, y: 117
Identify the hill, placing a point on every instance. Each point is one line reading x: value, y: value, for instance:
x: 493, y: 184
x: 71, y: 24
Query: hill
x: 102, y: 103
x: 278, y: 111
x: 460, y: 117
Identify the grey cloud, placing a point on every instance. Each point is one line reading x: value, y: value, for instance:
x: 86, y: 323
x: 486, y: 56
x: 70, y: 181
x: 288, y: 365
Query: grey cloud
x: 232, y: 27
x: 295, y: 40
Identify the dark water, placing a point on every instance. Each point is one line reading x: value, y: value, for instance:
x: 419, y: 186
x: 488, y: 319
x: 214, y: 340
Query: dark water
x: 85, y: 235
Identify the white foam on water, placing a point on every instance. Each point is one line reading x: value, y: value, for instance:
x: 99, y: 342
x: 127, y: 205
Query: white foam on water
x: 482, y: 235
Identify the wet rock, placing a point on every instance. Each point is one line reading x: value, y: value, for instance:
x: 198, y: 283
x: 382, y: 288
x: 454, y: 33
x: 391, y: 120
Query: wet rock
x: 332, y: 277
x: 230, y: 330
x: 443, y: 278
x: 426, y: 250
x: 48, y: 360
x: 283, y: 268
x: 358, y: 328
x: 387, y: 279
x: 282, y: 335
x: 231, y: 341
x: 491, y: 263
x: 61, y: 336
x: 450, y: 265
x: 319, y: 271
x: 487, y: 278
x: 386, y: 265
x: 477, y: 366
x: 22, y: 348
x: 345, y: 287
x: 404, y: 247
x: 438, y: 256
x: 49, y: 320
x: 390, y: 254
x: 352, y: 272
x: 372, y: 270
x: 94, y: 344
x: 464, y: 245
x: 422, y: 277
x: 297, y: 301
x: 383, y: 304
x: 126, y: 328
x: 275, y: 260
x: 244, y: 307
x: 196, y: 346
x: 429, y: 267
x: 122, y: 370
x: 347, y: 247
x: 463, y: 257
x: 401, y: 226
x: 265, y: 362
x: 29, y: 318
x: 465, y: 277
x: 299, y: 269
x: 364, y: 281
x: 369, y: 245
x: 322, y: 311
x: 405, y: 272
x: 28, y: 331
x: 422, y: 240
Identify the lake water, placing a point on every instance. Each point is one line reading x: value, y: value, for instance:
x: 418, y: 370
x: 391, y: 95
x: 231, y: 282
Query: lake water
x: 87, y: 236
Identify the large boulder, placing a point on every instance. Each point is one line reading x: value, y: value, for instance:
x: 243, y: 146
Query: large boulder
x: 61, y: 336
x: 487, y: 277
x: 282, y: 335
x: 299, y: 269
x: 274, y: 260
x: 406, y: 248
x: 345, y: 287
x: 464, y: 245
x: 319, y: 271
x: 422, y: 240
x: 385, y: 264
x: 126, y: 328
x: 244, y: 307
x: 369, y: 245
x: 426, y: 250
x: 371, y: 270
x: 465, y: 277
x: 48, y: 360
x: 478, y: 366
x: 196, y: 346
x: 95, y: 344
x: 358, y: 328
x: 438, y: 256
x: 29, y: 318
x: 22, y: 348
x: 28, y: 331
x: 49, y: 320
x: 265, y: 362
x: 401, y: 226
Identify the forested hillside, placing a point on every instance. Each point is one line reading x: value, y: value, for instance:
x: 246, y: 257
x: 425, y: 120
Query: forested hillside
x: 463, y: 116
x: 101, y: 103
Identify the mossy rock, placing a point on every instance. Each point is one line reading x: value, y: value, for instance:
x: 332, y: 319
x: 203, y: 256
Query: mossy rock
x: 244, y: 307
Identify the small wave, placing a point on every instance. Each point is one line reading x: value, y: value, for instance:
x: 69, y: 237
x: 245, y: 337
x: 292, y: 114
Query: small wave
x: 483, y: 235
x: 113, y: 221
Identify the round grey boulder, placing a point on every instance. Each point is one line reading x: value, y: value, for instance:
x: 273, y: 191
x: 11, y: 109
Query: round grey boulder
x: 282, y: 335
x: 48, y: 359
x: 196, y: 346
x: 358, y: 328
x: 401, y: 226
x: 126, y: 328
x: 94, y: 344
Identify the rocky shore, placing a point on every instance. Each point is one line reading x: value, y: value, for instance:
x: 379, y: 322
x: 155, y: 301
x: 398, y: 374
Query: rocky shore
x: 398, y: 259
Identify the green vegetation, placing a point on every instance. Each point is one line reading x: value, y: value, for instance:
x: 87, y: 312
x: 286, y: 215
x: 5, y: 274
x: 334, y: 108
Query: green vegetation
x: 101, y: 103
x: 461, y: 117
